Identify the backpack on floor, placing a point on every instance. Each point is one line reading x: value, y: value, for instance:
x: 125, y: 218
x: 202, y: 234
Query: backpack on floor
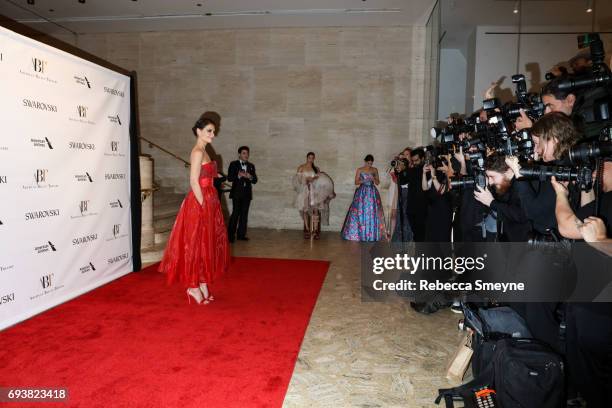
x: 489, y: 324
x: 522, y: 373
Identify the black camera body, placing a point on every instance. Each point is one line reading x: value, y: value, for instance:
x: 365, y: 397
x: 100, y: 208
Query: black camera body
x: 479, y: 178
x: 396, y: 161
x: 531, y: 103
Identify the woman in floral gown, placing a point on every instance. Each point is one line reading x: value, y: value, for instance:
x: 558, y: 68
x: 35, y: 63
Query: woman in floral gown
x: 365, y: 220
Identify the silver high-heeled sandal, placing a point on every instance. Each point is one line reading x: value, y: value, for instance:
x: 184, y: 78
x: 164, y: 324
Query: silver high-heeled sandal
x: 205, y: 292
x: 197, y: 297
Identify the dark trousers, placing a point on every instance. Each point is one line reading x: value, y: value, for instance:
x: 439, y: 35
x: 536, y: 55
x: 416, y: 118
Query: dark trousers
x: 417, y: 223
x: 589, y: 351
x: 239, y: 218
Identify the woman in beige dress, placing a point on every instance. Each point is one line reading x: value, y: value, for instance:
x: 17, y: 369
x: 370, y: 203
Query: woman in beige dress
x: 315, y: 189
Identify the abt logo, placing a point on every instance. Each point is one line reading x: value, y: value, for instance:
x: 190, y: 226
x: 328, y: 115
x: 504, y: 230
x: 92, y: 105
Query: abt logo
x: 2, y: 179
x: 115, y: 119
x: 39, y: 65
x: 82, y: 110
x: 114, y: 146
x: 83, y: 206
x: 116, y: 230
x: 47, y: 280
x: 41, y: 176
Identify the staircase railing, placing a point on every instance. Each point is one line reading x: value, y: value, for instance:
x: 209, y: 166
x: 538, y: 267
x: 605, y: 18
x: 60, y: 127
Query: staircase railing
x: 168, y: 152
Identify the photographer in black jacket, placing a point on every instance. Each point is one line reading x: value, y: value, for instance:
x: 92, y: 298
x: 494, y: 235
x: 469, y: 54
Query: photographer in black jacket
x: 589, y: 325
x: 553, y: 134
x: 502, y: 197
x: 417, y: 204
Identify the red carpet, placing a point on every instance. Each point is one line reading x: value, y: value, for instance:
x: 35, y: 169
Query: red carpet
x: 137, y: 343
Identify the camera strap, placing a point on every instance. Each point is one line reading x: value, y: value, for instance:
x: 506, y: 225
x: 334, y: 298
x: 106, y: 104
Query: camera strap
x: 598, y: 186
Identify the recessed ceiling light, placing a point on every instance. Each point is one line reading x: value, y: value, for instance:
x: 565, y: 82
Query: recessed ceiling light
x: 31, y: 2
x: 51, y: 10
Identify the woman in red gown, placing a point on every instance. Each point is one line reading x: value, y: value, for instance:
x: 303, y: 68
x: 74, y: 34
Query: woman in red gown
x: 197, y: 251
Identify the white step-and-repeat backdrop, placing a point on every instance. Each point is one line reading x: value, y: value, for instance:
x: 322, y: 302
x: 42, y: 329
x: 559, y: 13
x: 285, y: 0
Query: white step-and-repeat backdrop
x: 65, y: 216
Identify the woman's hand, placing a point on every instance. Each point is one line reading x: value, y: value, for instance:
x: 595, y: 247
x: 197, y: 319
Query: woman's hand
x: 560, y: 187
x: 593, y: 229
x: 513, y: 163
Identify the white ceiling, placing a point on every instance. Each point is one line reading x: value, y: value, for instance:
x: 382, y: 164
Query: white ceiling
x: 159, y: 15
x: 459, y: 17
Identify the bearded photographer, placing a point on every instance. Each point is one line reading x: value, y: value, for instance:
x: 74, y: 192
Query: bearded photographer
x: 589, y: 325
x: 502, y: 197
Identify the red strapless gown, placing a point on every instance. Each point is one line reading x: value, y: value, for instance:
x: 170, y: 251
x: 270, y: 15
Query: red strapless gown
x: 197, y: 250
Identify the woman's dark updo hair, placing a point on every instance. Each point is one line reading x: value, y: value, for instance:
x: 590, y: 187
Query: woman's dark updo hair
x: 315, y: 168
x: 201, y: 123
x: 368, y: 158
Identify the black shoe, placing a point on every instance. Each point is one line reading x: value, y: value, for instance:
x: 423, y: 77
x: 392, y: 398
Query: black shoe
x: 243, y: 239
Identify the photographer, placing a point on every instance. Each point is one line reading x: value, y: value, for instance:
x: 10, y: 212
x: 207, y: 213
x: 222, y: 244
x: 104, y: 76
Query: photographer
x: 477, y: 222
x: 417, y: 205
x: 439, y: 211
x: 402, y: 231
x: 555, y: 100
x: 503, y: 198
x: 553, y: 134
x: 589, y: 325
x: 581, y: 63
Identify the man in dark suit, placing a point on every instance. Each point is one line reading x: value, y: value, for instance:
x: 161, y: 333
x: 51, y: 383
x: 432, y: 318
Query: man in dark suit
x: 242, y: 175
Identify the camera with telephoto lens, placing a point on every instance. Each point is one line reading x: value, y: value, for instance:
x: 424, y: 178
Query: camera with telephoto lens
x: 581, y: 175
x: 588, y: 152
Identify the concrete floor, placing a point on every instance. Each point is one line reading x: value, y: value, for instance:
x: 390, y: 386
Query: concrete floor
x: 359, y: 354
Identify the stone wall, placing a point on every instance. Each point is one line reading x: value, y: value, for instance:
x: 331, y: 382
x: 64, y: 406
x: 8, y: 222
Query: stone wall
x: 340, y: 92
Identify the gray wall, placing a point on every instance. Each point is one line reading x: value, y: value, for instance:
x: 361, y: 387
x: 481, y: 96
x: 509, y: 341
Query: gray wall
x: 340, y: 92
